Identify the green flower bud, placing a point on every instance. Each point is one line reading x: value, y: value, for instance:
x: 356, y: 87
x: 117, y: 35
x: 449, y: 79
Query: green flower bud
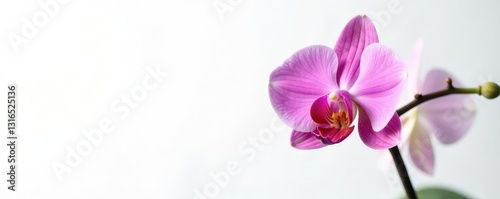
x: 490, y: 90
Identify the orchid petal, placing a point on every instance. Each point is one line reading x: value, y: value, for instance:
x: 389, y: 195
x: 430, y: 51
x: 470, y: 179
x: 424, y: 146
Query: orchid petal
x: 413, y: 67
x: 357, y: 34
x: 421, y: 152
x: 408, y: 122
x: 379, y: 85
x: 449, y: 117
x: 305, y: 140
x: 386, y: 138
x: 407, y: 125
x: 304, y: 77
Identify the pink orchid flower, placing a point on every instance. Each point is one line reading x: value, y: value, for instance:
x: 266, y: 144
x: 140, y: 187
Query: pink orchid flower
x: 448, y: 118
x: 318, y: 91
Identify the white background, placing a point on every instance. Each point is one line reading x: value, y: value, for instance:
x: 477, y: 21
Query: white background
x: 214, y: 99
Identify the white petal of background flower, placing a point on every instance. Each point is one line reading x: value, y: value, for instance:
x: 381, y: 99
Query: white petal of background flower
x: 212, y: 107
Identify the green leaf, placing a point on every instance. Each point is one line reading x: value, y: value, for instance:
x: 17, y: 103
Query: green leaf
x: 439, y: 193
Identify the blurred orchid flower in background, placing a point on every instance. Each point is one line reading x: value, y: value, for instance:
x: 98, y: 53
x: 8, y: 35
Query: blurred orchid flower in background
x: 318, y: 91
x: 448, y: 118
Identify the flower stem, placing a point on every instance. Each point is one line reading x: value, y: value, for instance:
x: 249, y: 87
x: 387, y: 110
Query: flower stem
x: 419, y: 98
x: 403, y: 173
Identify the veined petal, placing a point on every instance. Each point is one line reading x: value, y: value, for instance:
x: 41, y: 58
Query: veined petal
x: 357, y: 34
x: 449, y: 117
x: 380, y: 84
x: 304, y: 77
x: 421, y: 152
x: 386, y: 138
x: 305, y: 140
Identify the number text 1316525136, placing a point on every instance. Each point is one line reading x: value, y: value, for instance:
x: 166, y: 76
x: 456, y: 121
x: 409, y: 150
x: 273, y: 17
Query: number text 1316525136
x: 12, y: 137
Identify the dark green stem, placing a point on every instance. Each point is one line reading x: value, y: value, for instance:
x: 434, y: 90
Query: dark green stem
x: 419, y: 98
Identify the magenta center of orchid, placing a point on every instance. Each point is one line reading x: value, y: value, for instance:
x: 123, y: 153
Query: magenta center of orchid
x: 338, y: 120
x: 333, y: 114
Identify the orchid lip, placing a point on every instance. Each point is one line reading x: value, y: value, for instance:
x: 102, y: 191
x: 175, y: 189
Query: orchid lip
x: 333, y: 114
